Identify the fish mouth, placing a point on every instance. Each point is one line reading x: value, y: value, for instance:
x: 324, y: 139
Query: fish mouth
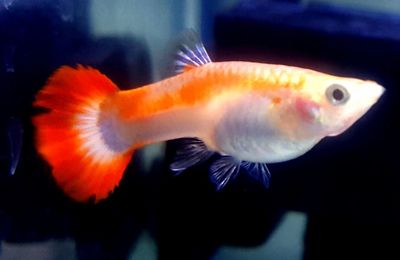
x: 382, y: 91
x: 377, y: 91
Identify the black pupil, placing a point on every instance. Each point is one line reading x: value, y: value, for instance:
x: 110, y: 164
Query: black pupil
x: 338, y: 94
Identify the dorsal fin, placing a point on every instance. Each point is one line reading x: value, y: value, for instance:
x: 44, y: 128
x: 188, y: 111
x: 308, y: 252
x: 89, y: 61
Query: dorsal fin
x: 190, y: 53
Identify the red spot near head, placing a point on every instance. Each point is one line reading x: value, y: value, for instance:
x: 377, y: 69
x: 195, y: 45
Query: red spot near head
x: 307, y: 109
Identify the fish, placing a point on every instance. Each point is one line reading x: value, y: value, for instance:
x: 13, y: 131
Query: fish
x: 249, y: 114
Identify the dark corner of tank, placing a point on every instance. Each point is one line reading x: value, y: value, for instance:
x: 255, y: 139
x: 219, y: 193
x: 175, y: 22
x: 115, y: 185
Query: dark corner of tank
x: 341, y: 200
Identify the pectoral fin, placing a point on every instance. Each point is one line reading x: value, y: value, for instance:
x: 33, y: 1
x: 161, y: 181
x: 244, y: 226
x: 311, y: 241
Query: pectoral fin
x: 259, y: 171
x: 223, y: 170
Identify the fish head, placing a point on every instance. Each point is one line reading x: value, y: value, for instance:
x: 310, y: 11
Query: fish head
x: 340, y: 101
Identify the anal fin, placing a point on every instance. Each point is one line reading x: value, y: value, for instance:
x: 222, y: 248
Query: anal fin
x: 222, y: 170
x: 192, y: 152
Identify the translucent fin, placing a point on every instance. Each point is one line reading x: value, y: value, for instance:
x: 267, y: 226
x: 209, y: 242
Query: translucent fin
x: 15, y: 137
x: 223, y: 170
x: 258, y: 171
x: 191, y: 53
x: 193, y: 151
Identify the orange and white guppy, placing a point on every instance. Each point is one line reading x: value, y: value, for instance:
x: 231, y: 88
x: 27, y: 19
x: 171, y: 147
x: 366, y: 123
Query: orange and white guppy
x: 251, y: 114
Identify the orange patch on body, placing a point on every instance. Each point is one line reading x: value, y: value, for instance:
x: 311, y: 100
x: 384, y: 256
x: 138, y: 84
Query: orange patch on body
x: 276, y: 100
x: 199, y: 85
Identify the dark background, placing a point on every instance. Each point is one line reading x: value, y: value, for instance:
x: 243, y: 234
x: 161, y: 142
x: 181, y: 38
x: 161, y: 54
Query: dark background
x: 348, y: 186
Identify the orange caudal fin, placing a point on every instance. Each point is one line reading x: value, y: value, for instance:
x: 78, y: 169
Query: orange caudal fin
x: 70, y: 137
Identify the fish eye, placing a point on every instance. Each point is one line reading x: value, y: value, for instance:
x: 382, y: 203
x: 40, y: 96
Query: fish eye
x: 337, y: 94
